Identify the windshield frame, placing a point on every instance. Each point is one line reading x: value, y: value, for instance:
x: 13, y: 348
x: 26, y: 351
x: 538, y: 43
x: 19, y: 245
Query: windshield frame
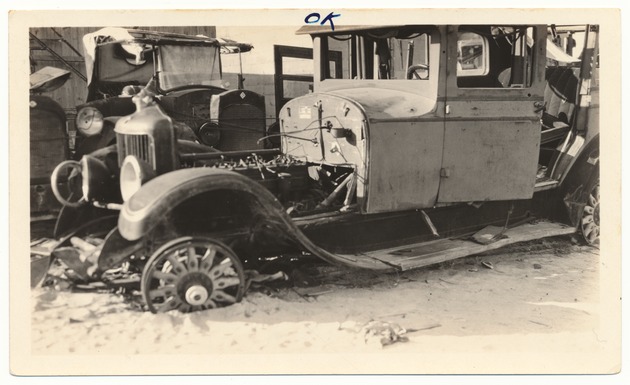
x: 216, y: 73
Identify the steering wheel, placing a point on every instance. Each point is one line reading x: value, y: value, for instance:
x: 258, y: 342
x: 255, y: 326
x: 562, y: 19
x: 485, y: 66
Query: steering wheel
x: 54, y: 183
x: 412, y: 71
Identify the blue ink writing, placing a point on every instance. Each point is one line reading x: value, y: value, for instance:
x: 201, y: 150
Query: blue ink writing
x: 309, y: 19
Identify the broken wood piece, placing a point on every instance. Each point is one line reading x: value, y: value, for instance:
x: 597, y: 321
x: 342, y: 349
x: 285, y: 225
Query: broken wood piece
x: 88, y: 251
x: 429, y: 327
x: 71, y: 257
x: 82, y: 245
x: 488, y: 234
x: 318, y: 293
x: 304, y: 297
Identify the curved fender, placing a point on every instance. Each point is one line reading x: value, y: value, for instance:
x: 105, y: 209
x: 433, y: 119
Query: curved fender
x: 159, y: 196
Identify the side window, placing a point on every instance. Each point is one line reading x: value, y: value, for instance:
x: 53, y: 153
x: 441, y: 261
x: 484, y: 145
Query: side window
x: 472, y: 54
x: 494, y: 57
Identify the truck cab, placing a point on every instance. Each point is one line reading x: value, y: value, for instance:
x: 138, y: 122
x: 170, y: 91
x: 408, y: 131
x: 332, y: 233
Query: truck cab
x: 427, y: 115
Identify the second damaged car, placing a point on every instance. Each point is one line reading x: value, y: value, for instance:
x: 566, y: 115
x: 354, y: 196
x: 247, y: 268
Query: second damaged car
x: 428, y: 143
x: 184, y: 74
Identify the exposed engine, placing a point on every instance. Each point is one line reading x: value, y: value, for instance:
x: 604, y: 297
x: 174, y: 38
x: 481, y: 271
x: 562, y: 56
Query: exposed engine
x: 303, y: 188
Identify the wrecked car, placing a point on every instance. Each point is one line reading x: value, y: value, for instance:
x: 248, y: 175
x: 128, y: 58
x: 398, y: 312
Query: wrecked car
x: 48, y: 140
x: 429, y: 143
x: 185, y: 75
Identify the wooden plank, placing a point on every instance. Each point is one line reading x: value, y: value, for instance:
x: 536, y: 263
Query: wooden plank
x: 424, y: 254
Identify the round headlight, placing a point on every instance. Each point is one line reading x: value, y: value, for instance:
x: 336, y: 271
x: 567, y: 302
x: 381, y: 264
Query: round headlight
x: 210, y: 134
x: 133, y: 174
x: 89, y: 121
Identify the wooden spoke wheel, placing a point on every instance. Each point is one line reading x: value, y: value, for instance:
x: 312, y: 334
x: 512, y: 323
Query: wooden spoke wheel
x: 190, y: 274
x: 589, y: 222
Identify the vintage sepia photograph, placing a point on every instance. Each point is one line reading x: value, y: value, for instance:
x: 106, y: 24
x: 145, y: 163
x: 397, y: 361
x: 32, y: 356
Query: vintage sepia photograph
x: 315, y: 191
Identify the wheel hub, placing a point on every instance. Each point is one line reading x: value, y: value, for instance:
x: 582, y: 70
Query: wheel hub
x: 195, y: 288
x: 196, y: 295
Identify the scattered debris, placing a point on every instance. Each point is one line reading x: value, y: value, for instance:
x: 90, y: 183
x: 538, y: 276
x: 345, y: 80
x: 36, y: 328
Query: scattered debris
x: 488, y: 235
x: 537, y: 266
x: 539, y: 323
x: 385, y: 333
x: 487, y: 265
x: 402, y: 315
x: 41, y: 250
x: 312, y: 294
x: 304, y: 297
x: 255, y: 276
x: 317, y: 294
x: 303, y: 279
x: 76, y: 267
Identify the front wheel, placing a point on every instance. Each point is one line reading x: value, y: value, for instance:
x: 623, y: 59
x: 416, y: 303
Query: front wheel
x: 589, y: 222
x: 191, y: 274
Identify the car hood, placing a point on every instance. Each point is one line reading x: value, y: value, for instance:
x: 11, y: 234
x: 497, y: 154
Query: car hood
x: 385, y: 104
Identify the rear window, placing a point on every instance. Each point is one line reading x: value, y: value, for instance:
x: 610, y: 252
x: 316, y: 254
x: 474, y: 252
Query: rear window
x: 494, y: 56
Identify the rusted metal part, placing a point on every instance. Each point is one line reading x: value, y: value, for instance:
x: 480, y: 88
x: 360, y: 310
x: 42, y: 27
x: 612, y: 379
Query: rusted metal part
x: 228, y: 154
x: 337, y: 191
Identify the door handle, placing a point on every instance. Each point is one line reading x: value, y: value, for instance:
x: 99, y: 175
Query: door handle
x: 539, y: 106
x: 447, y: 109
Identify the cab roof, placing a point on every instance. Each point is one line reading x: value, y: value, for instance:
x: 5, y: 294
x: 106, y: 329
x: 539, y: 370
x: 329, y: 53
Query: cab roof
x: 320, y: 29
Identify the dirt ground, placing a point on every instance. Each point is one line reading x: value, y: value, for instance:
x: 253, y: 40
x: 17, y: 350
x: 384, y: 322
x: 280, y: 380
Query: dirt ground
x: 526, y: 293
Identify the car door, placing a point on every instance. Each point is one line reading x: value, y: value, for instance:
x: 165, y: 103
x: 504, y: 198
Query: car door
x: 494, y: 94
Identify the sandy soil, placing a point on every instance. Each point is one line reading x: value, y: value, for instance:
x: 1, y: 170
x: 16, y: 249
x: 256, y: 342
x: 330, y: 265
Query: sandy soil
x: 536, y: 290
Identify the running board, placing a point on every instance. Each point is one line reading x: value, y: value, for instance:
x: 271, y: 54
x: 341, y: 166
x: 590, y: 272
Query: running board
x: 429, y: 253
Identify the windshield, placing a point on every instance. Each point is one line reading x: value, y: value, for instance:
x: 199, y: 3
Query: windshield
x: 387, y: 54
x: 188, y: 65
